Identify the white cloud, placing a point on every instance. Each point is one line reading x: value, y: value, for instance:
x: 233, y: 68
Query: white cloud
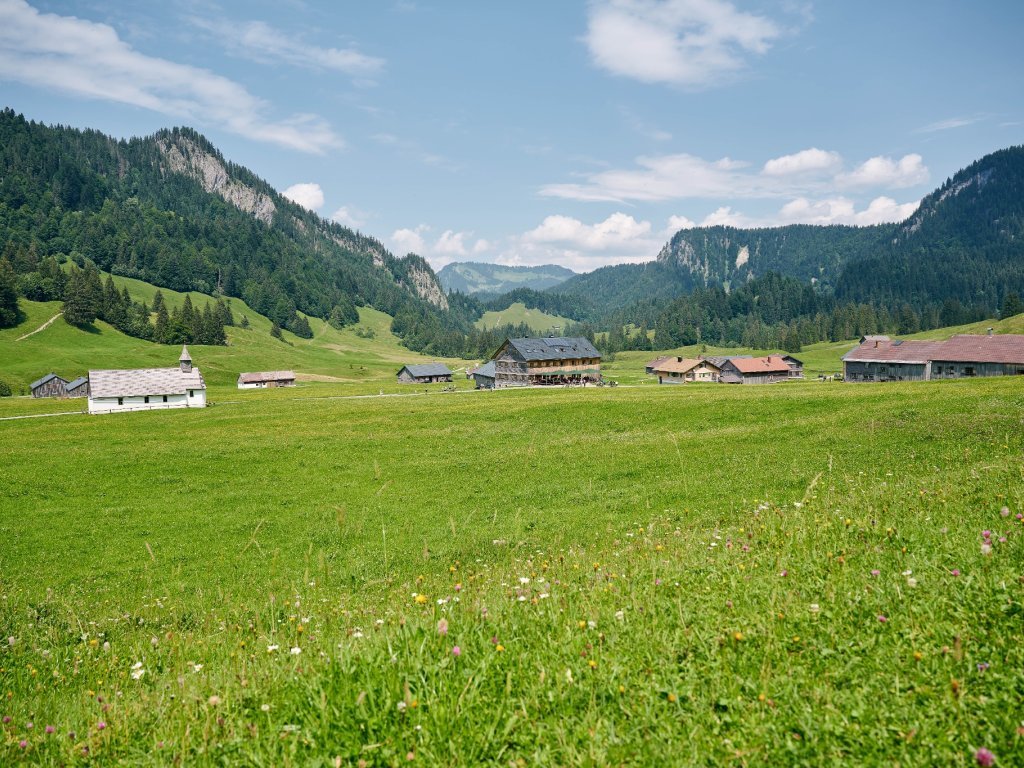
x: 617, y: 231
x: 350, y: 217
x: 727, y: 217
x: 841, y: 210
x: 309, y: 195
x: 886, y: 172
x: 261, y: 42
x: 448, y: 247
x: 952, y: 122
x: 88, y: 59
x: 811, y: 160
x: 681, y: 176
x: 680, y: 42
x: 675, y: 223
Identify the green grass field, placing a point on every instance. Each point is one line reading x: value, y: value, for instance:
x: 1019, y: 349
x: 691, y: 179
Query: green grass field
x: 540, y: 321
x: 804, y: 574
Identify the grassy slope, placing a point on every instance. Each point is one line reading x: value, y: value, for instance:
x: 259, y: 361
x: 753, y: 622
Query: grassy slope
x: 539, y: 321
x: 720, y: 539
x: 340, y: 356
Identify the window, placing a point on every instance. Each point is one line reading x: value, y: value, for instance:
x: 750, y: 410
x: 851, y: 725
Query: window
x: 191, y: 393
x: 120, y: 401
x: 145, y: 399
x: 969, y: 370
x: 165, y: 398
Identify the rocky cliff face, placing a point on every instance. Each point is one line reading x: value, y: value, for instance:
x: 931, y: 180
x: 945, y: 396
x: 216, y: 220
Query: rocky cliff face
x: 424, y: 283
x: 186, y: 157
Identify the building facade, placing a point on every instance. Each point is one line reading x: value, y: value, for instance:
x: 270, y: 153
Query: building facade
x: 266, y: 379
x: 962, y: 356
x: 681, y: 370
x: 546, y: 361
x: 754, y: 370
x: 146, y: 389
x: 51, y: 385
x: 427, y: 373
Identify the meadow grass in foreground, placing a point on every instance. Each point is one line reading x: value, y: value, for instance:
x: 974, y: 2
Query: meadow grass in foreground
x: 800, y: 574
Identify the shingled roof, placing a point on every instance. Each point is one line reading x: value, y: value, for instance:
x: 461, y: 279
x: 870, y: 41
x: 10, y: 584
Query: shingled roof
x: 427, y: 369
x: 770, y: 364
x: 144, y: 381
x: 45, y: 379
x: 1003, y: 348
x: 878, y: 351
x: 77, y: 383
x: 554, y: 348
x: 675, y: 365
x: 262, y: 376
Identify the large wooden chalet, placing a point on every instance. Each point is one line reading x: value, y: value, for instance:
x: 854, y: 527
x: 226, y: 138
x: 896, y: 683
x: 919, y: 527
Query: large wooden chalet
x: 553, y: 360
x: 962, y: 356
x: 682, y: 370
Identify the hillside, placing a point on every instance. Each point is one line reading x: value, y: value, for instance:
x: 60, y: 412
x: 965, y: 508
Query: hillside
x: 170, y: 210
x: 964, y: 244
x: 360, y: 357
x: 476, y: 277
x: 540, y: 322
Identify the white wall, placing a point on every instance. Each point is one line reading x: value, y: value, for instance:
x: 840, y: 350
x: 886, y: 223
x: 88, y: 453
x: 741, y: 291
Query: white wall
x: 110, y: 404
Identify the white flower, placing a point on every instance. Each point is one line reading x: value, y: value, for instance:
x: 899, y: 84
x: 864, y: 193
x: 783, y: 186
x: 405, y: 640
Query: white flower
x: 379, y: 622
x: 592, y: 624
x: 264, y: 707
x: 814, y: 608
x: 543, y: 595
x: 137, y: 665
x: 620, y: 615
x: 986, y: 548
x: 401, y: 706
x: 296, y: 651
x: 272, y: 648
x: 911, y: 582
x: 907, y: 572
x: 196, y: 667
x: 137, y: 671
x: 523, y: 580
x: 521, y: 598
x: 357, y: 634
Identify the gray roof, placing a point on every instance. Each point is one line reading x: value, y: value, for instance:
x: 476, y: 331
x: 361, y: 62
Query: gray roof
x: 184, y: 354
x: 77, y: 382
x: 45, y: 379
x: 144, y: 381
x: 427, y: 369
x: 720, y: 360
x: 487, y: 369
x: 255, y: 378
x: 554, y: 348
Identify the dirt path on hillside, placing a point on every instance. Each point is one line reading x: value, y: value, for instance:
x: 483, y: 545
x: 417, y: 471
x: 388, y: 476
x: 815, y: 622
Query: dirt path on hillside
x: 42, y: 327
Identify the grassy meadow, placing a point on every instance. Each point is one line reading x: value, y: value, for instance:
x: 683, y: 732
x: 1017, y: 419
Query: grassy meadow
x: 541, y: 322
x: 805, y: 574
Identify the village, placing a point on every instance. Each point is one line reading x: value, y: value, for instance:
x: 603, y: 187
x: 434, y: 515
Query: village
x: 571, y: 362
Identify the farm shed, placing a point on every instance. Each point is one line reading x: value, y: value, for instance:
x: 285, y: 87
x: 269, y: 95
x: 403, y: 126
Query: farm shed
x: 796, y: 367
x: 962, y: 356
x: 144, y: 389
x: 553, y: 360
x: 754, y: 370
x: 51, y: 385
x: 266, y: 379
x: 426, y: 373
x: 79, y: 387
x: 681, y: 370
x: 484, y: 376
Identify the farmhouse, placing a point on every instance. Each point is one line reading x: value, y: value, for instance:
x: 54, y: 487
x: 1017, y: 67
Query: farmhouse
x: 796, y: 367
x: 649, y: 368
x: 680, y: 370
x: 754, y: 370
x: 427, y: 373
x: 553, y: 360
x: 962, y: 356
x: 51, y: 385
x: 147, y: 388
x: 79, y: 387
x: 266, y: 379
x: 484, y: 376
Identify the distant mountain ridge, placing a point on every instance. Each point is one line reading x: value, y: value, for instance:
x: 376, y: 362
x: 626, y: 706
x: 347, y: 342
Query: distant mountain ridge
x: 965, y: 243
x: 477, y: 277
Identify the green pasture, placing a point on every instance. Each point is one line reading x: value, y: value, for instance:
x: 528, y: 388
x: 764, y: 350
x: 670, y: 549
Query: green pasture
x: 803, y: 574
x: 541, y: 322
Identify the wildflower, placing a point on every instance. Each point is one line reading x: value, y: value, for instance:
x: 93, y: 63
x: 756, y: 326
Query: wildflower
x: 592, y: 664
x: 783, y: 573
x: 499, y: 648
x: 955, y: 572
x: 876, y: 573
x: 814, y: 608
x: 23, y: 744
x: 908, y: 572
x: 918, y: 655
x: 29, y: 726
x: 196, y: 667
x: 272, y: 648
x: 592, y: 625
x: 457, y: 587
x: 421, y: 599
x: 986, y: 548
x: 410, y: 756
x: 356, y: 634
x: 671, y: 698
x: 1005, y: 511
x: 50, y: 729
x: 137, y: 671
x: 984, y: 758
x: 523, y: 580
x: 456, y: 651
x: 911, y: 582
x: 264, y: 707
x: 442, y: 627
x: 11, y: 641
x: 213, y: 701
x: 100, y: 725
x: 401, y: 706
x: 7, y: 719
x: 657, y: 582
x: 543, y: 595
x: 295, y: 651
x: 583, y: 624
x: 620, y: 615
x: 882, y: 619
x: 737, y: 636
x: 982, y: 666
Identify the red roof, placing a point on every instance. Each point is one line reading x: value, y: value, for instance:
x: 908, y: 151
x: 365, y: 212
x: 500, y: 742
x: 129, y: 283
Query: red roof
x: 770, y: 364
x: 999, y: 348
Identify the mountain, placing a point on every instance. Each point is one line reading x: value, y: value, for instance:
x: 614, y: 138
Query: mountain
x: 964, y: 245
x: 170, y: 210
x: 476, y: 277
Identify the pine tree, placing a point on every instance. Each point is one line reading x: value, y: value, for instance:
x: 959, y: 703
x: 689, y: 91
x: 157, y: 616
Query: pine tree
x: 1012, y: 305
x: 10, y: 312
x: 162, y: 330
x: 275, y: 331
x: 81, y: 304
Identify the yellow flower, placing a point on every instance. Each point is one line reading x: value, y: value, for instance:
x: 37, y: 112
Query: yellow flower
x: 583, y: 625
x: 918, y: 655
x: 622, y: 689
x: 671, y: 698
x: 421, y: 599
x: 737, y: 635
x: 499, y: 648
x: 592, y: 664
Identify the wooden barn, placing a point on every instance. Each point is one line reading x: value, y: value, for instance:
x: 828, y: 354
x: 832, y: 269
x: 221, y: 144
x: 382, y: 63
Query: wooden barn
x: 266, y: 379
x: 51, y: 385
x: 962, y: 356
x: 754, y: 370
x: 484, y: 376
x: 540, y: 361
x: 426, y: 373
x: 145, y: 389
x: 681, y: 370
x: 79, y: 387
x: 649, y: 368
x: 796, y: 367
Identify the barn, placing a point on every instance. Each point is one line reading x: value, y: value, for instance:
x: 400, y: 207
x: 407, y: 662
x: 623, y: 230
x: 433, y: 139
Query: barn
x: 484, y: 376
x: 145, y: 389
x: 51, y: 385
x: 962, y: 356
x: 266, y: 379
x: 552, y: 360
x: 754, y: 370
x: 425, y: 373
x: 79, y: 387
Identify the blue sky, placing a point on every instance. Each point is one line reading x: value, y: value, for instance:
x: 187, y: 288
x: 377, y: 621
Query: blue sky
x: 571, y: 132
